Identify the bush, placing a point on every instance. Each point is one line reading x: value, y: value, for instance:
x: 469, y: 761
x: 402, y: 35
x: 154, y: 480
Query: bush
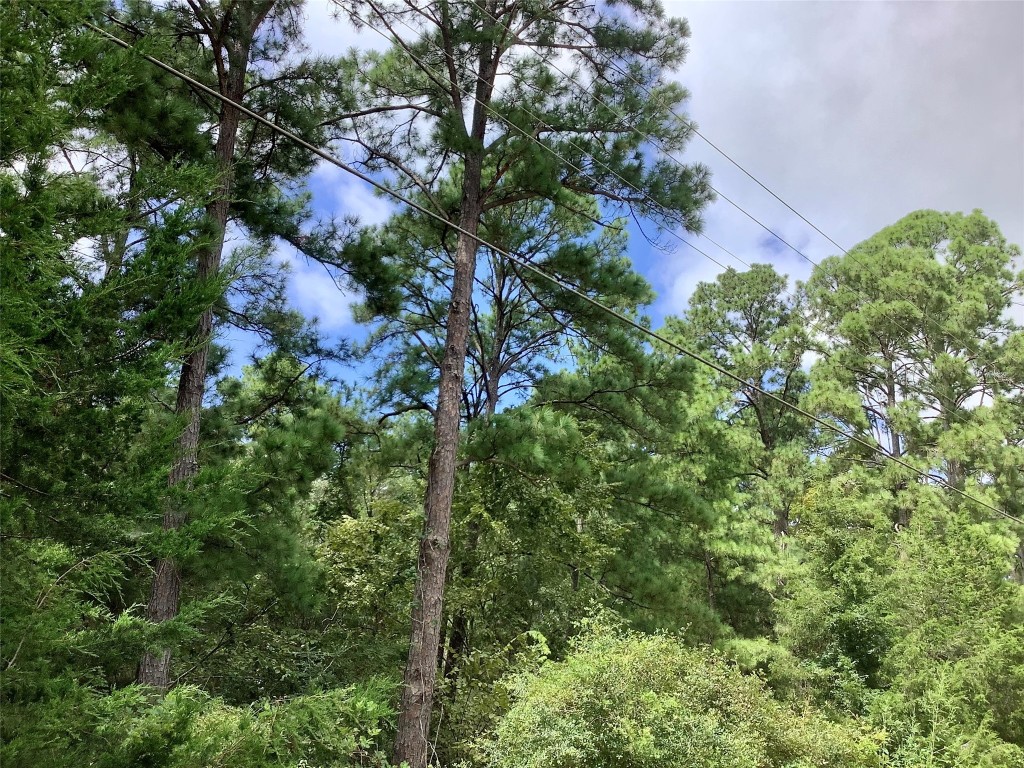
x: 188, y: 728
x: 629, y: 701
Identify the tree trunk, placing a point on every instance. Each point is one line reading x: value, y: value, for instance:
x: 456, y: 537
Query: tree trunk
x: 414, y: 713
x: 780, y: 526
x: 115, y: 245
x: 903, y: 513
x: 575, y: 568
x: 1018, y: 571
x: 895, y: 444
x: 411, y: 740
x: 457, y: 645
x: 164, y: 598
x: 709, y: 572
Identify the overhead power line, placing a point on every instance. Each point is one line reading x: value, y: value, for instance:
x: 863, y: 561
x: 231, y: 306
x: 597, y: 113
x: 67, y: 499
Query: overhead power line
x: 668, y: 214
x: 534, y: 269
x: 763, y: 186
x: 611, y: 64
x: 614, y: 66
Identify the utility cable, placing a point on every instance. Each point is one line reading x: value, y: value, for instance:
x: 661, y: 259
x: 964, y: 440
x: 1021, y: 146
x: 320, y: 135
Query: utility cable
x: 532, y: 268
x: 648, y: 199
x: 612, y: 65
x: 654, y: 141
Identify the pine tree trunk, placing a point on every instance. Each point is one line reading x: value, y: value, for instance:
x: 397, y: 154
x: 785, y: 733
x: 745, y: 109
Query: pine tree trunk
x: 895, y: 443
x: 165, y: 595
x: 412, y: 738
x: 1018, y: 571
x: 780, y: 526
x: 457, y: 645
x: 574, y: 569
x: 415, y: 709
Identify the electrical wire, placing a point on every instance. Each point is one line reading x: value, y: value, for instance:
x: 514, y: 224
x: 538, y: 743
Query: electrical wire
x: 666, y: 213
x: 533, y: 269
x: 612, y: 65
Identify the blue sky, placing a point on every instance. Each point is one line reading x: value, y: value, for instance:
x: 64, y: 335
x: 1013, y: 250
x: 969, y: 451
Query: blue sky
x: 855, y: 113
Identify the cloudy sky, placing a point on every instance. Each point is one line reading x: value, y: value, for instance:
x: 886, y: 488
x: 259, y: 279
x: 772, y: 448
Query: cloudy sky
x: 855, y: 113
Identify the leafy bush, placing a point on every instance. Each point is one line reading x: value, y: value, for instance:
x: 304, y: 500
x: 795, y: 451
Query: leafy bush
x: 624, y: 700
x: 188, y: 728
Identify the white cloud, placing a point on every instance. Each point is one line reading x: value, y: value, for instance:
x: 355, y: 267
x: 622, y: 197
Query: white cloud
x: 329, y: 33
x: 854, y: 113
x: 678, y: 273
x: 858, y: 113
x: 745, y: 242
x: 318, y: 296
x: 312, y: 290
x: 808, y: 359
x: 347, y: 195
x: 87, y: 250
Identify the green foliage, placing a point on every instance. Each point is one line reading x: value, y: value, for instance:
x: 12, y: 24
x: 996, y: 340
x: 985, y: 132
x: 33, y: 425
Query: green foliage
x: 628, y: 700
x: 780, y: 597
x: 919, y: 630
x: 918, y: 317
x: 520, y: 323
x: 188, y: 727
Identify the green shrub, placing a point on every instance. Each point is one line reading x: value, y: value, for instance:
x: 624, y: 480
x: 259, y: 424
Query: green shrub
x: 188, y: 728
x: 631, y: 701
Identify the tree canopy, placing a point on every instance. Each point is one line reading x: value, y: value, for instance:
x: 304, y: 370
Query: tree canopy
x: 495, y: 526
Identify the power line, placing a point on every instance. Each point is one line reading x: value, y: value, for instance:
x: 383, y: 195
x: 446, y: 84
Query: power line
x: 666, y: 213
x: 689, y: 123
x: 611, y: 64
x: 762, y: 185
x: 438, y: 80
x: 532, y: 268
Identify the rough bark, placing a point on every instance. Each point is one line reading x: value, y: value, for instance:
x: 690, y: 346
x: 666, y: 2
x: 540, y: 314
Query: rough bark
x: 458, y: 642
x: 1018, y: 571
x: 903, y: 514
x: 780, y: 526
x: 165, y: 595
x: 575, y: 569
x: 457, y: 645
x: 411, y: 740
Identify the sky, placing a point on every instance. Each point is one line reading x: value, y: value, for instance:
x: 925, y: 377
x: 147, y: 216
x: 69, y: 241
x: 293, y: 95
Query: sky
x: 855, y: 113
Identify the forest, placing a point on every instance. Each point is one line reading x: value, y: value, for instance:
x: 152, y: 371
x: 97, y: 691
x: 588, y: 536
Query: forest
x: 511, y: 522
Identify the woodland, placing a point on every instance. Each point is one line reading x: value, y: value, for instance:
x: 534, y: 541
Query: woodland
x: 511, y: 524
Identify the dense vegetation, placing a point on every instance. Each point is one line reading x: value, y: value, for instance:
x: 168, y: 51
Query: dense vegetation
x: 531, y: 536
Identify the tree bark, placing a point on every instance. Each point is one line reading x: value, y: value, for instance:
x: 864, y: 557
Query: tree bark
x: 575, y: 569
x: 165, y: 595
x: 903, y: 514
x: 458, y: 642
x: 412, y: 738
x: 1018, y: 571
x: 457, y: 645
x: 780, y: 526
x: 414, y: 715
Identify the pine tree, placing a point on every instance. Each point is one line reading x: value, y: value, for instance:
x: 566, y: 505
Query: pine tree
x: 519, y: 324
x: 916, y: 322
x: 91, y: 321
x: 442, y: 73
x: 753, y: 330
x: 244, y: 50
